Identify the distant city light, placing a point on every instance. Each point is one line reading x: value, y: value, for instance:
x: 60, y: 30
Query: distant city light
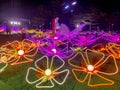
x: 15, y: 23
x: 67, y: 6
x: 77, y: 25
x: 11, y: 22
x: 74, y: 3
x: 18, y: 23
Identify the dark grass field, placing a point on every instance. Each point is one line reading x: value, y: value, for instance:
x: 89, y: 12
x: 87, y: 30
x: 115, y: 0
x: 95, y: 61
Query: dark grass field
x: 13, y: 78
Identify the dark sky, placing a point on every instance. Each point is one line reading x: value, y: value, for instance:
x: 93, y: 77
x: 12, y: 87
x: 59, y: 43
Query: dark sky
x: 20, y: 8
x: 26, y: 8
x: 107, y: 5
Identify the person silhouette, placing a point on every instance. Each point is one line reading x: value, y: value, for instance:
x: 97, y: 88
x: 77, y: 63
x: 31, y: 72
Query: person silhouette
x: 7, y: 28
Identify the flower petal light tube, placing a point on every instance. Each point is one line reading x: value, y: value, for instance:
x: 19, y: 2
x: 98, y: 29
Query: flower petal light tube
x: 110, y: 48
x: 46, y: 71
x: 93, y: 67
x: 20, y: 52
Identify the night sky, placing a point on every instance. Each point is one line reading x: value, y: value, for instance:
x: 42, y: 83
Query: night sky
x: 27, y: 8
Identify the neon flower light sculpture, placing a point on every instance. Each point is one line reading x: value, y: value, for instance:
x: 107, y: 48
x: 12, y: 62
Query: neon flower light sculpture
x: 38, y: 38
x: 94, y: 68
x: 62, y: 51
x: 74, y: 38
x: 68, y: 35
x: 20, y: 52
x: 110, y: 48
x: 114, y: 49
x: 57, y: 39
x: 84, y: 40
x: 46, y: 71
x: 111, y: 37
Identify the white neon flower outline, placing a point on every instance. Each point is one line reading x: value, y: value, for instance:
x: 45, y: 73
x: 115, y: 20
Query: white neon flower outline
x: 44, y: 77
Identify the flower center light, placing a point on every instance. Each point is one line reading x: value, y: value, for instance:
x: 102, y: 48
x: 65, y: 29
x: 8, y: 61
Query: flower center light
x: 90, y: 68
x: 48, y: 72
x: 54, y: 50
x: 20, y: 52
x: 55, y: 37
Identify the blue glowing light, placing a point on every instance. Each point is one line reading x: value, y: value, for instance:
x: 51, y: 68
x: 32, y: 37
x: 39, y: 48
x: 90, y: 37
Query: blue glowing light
x: 67, y: 6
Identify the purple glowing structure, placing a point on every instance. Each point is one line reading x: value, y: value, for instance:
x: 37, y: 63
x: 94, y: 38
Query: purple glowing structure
x: 60, y: 43
x: 67, y: 34
x: 3, y: 28
x: 15, y: 30
x: 39, y: 41
x: 84, y: 41
x: 111, y: 37
x: 52, y: 49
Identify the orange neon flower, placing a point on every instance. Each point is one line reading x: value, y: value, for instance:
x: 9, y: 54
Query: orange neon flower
x: 114, y: 49
x: 93, y: 66
x: 18, y: 52
x: 99, y: 47
x: 110, y: 48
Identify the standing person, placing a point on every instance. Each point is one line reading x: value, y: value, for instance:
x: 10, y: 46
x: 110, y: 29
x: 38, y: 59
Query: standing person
x: 23, y: 31
x: 7, y: 28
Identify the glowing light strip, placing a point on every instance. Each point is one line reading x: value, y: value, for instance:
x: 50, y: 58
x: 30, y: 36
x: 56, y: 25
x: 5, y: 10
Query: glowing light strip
x: 100, y: 47
x: 84, y: 40
x: 108, y: 84
x: 110, y: 48
x: 111, y: 37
